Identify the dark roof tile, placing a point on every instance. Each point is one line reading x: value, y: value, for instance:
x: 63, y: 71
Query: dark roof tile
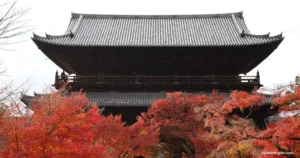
x: 124, y: 99
x: 157, y: 31
x: 139, y: 99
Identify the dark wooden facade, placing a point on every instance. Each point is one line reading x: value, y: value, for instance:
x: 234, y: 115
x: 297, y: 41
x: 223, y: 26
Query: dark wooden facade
x: 165, y: 61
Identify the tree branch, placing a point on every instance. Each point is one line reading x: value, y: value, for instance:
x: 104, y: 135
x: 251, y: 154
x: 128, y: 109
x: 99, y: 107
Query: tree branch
x: 11, y: 24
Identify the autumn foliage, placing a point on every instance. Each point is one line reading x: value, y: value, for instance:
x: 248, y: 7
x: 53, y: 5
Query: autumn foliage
x: 182, y: 125
x: 284, y: 135
x: 215, y: 126
x: 69, y: 126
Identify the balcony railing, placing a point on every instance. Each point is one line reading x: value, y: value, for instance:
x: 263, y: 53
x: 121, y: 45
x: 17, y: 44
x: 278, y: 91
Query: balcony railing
x: 159, y: 80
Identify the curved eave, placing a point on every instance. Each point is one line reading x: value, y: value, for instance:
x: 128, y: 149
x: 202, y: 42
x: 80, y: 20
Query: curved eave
x: 261, y: 36
x: 47, y: 41
x: 273, y: 46
x: 49, y: 55
x: 265, y: 49
x: 54, y: 36
x: 38, y: 94
x: 266, y: 36
x: 26, y: 99
x: 50, y: 37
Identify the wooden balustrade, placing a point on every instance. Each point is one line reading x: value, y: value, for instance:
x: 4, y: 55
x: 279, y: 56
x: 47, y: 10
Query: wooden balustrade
x: 160, y: 80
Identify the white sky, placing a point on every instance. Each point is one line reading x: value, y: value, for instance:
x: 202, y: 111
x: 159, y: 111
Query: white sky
x: 261, y: 16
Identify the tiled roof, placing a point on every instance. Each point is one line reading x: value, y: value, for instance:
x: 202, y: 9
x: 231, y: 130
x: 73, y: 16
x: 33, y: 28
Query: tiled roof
x: 122, y: 99
x: 137, y: 99
x: 158, y: 31
x: 26, y: 99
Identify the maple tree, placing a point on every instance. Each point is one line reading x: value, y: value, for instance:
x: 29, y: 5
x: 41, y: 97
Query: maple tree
x: 58, y: 127
x: 175, y: 118
x: 215, y: 126
x: 69, y: 126
x: 224, y: 126
x: 284, y: 135
x: 182, y: 125
x: 124, y: 141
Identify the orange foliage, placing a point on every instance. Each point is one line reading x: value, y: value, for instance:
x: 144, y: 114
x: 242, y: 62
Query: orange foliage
x: 64, y: 126
x: 182, y: 124
x: 285, y: 101
x: 175, y: 117
x: 242, y: 100
x: 198, y: 125
x: 58, y: 128
x: 283, y: 136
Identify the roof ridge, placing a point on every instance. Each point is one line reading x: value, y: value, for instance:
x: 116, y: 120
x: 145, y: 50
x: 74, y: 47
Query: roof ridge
x: 166, y: 16
x: 57, y: 36
x: 76, y: 27
x: 279, y: 36
x: 242, y: 32
x: 51, y: 36
x: 237, y: 26
x: 254, y: 35
x: 35, y: 36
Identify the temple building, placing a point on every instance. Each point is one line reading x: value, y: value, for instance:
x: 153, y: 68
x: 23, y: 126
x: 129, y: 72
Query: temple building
x: 125, y: 62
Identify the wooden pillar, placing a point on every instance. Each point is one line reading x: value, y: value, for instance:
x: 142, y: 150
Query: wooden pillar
x: 258, y: 76
x: 56, y: 76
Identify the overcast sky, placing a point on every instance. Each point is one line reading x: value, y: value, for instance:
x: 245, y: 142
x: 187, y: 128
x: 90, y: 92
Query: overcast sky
x: 261, y: 16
